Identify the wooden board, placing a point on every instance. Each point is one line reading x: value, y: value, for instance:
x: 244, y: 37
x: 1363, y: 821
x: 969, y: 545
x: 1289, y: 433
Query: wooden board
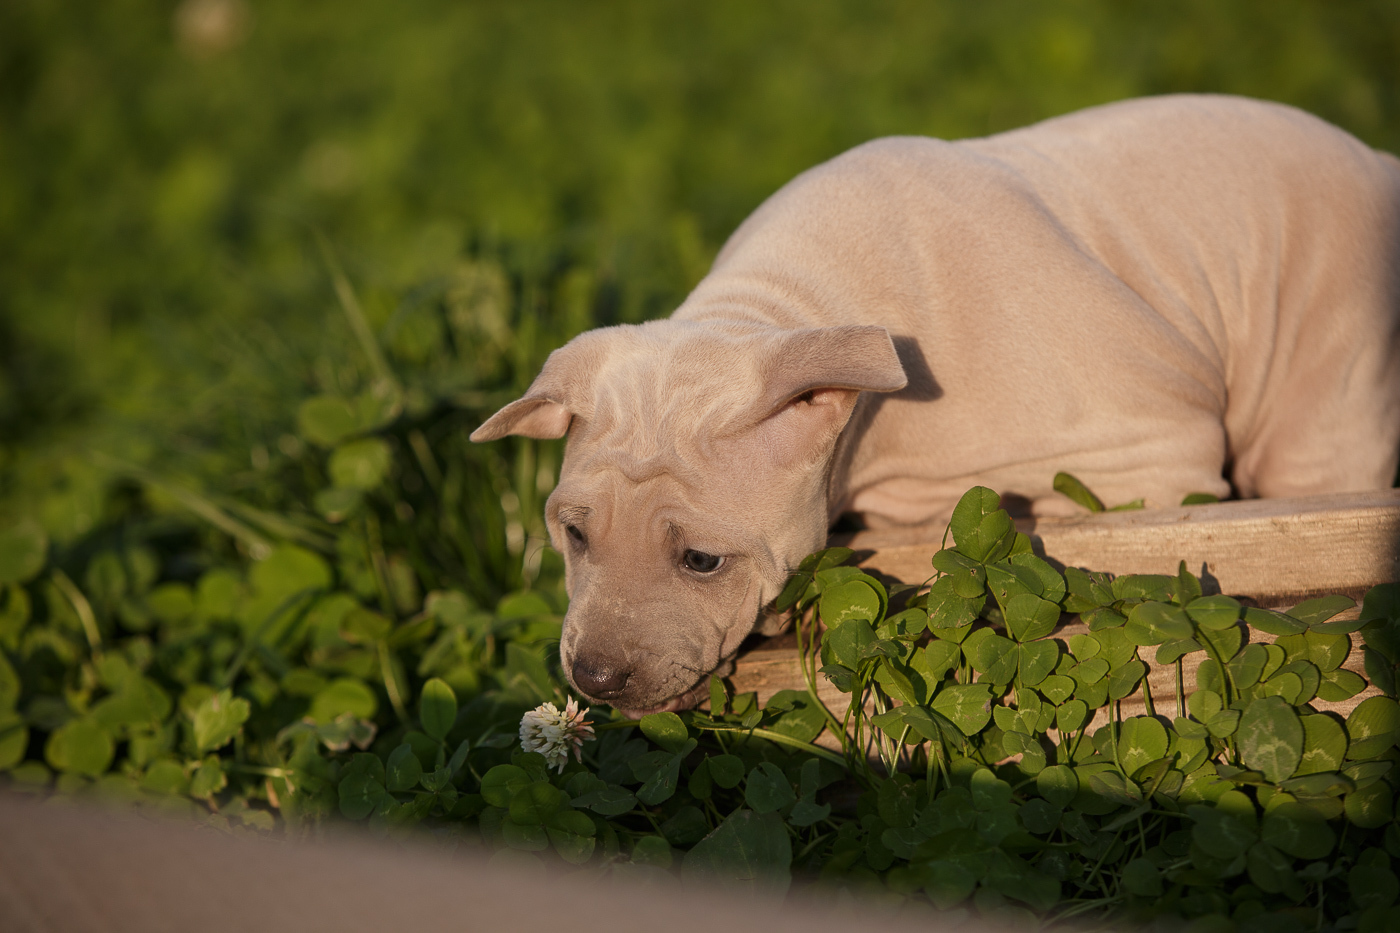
x: 775, y: 665
x: 1276, y: 552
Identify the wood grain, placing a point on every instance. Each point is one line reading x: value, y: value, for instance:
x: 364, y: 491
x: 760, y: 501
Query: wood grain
x: 1275, y: 552
x: 774, y: 665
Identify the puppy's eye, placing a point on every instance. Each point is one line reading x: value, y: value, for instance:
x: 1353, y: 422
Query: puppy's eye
x: 576, y: 535
x: 701, y: 562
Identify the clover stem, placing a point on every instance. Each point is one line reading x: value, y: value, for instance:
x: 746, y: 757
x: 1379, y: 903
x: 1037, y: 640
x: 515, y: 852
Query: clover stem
x: 807, y: 660
x: 807, y: 747
x: 882, y: 741
x: 1113, y: 713
x: 896, y: 750
x: 768, y: 734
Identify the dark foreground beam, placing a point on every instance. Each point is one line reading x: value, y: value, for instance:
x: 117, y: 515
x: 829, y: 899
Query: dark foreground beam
x: 72, y: 868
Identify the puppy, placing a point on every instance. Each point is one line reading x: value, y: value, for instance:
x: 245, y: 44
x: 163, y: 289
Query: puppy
x: 1163, y: 296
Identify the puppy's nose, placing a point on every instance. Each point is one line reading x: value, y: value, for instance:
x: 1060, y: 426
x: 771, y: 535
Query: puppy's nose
x: 599, y: 679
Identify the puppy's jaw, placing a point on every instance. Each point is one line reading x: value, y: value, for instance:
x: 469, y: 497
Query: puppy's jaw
x: 665, y: 641
x: 664, y: 664
x: 688, y: 700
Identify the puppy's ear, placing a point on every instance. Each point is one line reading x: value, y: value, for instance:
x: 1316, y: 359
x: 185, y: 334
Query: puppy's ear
x: 536, y: 416
x: 547, y: 407
x: 812, y: 379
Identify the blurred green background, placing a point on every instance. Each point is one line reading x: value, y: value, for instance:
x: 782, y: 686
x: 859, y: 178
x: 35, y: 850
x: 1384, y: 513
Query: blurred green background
x: 492, y: 178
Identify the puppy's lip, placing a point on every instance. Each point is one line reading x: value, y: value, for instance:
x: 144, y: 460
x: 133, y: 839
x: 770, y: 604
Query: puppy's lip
x: 685, y: 700
x: 673, y: 705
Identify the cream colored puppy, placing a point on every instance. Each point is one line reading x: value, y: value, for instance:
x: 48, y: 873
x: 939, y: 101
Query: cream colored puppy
x: 1162, y: 296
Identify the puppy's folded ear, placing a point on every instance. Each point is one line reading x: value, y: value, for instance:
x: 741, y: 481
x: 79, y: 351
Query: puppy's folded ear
x: 536, y: 416
x: 812, y: 379
x: 858, y: 357
x: 547, y: 407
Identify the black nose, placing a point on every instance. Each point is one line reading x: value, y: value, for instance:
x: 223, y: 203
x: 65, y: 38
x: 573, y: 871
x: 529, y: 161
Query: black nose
x: 599, y: 679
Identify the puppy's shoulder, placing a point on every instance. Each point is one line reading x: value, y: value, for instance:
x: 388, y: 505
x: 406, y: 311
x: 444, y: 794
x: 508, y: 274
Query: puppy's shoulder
x: 892, y: 173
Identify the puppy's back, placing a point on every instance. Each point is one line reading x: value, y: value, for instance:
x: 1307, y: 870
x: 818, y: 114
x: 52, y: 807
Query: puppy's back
x: 1139, y: 293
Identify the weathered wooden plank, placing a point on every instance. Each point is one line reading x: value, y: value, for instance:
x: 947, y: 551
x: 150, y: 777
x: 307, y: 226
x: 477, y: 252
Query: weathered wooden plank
x: 1277, y: 550
x: 775, y: 665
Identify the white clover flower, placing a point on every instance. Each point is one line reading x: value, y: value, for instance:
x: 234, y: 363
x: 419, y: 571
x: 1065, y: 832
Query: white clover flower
x: 554, y: 733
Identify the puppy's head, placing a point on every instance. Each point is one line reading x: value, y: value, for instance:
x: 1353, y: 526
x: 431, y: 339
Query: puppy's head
x: 693, y: 482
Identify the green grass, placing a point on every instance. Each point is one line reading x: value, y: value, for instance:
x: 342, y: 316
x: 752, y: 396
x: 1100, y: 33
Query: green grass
x: 162, y: 297
x: 257, y: 287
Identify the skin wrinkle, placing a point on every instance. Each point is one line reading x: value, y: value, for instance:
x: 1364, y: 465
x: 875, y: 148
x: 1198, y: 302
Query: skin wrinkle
x: 1140, y: 294
x: 574, y: 515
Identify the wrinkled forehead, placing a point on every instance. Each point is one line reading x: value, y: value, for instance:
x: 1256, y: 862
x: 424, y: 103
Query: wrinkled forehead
x: 675, y: 472
x: 616, y: 479
x: 653, y: 508
x: 650, y: 445
x: 664, y: 386
x: 609, y: 495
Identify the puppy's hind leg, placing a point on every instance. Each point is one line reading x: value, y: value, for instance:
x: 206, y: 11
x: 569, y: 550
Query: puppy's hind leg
x: 1333, y: 424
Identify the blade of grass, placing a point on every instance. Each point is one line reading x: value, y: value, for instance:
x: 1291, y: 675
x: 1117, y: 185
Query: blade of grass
x: 258, y: 545
x: 355, y: 316
x: 82, y: 607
